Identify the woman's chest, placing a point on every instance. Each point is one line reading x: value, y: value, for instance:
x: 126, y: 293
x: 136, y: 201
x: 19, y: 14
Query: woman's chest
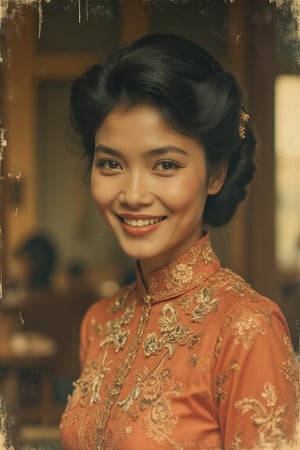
x: 150, y: 382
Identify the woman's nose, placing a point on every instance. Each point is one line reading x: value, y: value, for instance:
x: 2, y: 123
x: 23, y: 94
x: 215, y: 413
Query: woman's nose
x: 135, y: 192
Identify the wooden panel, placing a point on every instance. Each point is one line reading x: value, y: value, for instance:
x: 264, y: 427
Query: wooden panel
x: 20, y: 122
x: 64, y: 67
x: 133, y: 20
x: 261, y: 73
x: 236, y: 57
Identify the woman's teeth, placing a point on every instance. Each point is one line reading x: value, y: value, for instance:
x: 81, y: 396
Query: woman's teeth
x: 141, y: 222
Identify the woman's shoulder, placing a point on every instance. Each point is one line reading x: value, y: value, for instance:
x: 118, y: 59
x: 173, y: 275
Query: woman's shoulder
x: 242, y: 305
x: 236, y: 297
x: 229, y: 285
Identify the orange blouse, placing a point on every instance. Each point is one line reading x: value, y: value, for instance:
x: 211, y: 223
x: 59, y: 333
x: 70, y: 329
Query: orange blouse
x: 197, y: 361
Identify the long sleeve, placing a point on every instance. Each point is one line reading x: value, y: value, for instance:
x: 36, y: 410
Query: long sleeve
x: 256, y: 380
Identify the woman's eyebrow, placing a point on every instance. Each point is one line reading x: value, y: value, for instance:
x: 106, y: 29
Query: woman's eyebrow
x: 108, y: 150
x: 155, y: 151
x: 167, y: 149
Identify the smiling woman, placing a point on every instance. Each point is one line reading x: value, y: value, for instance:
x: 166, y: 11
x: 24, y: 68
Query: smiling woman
x: 189, y: 356
x: 158, y: 177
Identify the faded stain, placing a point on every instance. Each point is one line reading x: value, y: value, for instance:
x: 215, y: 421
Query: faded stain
x: 85, y: 10
x: 4, y: 419
x: 6, y: 5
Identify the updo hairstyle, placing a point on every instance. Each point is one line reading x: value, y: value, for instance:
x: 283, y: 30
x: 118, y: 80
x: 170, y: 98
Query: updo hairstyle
x: 195, y: 96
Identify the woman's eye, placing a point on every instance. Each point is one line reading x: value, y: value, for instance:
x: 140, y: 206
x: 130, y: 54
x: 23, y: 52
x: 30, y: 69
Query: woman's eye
x: 108, y: 164
x: 166, y: 165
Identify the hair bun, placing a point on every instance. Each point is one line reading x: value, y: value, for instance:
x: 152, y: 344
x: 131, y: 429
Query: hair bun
x: 220, y: 208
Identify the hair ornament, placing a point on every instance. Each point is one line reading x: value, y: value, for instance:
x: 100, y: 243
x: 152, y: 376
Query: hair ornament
x: 244, y: 117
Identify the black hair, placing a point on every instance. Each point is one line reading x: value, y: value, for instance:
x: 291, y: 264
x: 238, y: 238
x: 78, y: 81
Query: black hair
x: 41, y: 254
x: 194, y: 94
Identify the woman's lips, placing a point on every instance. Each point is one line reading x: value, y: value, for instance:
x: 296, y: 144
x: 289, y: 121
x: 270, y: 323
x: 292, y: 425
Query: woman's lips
x: 140, y: 225
x: 141, y: 222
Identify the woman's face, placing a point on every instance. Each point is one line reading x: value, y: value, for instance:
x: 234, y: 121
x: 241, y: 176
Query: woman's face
x: 150, y: 184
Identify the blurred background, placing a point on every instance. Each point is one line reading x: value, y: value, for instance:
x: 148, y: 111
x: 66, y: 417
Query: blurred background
x: 57, y: 256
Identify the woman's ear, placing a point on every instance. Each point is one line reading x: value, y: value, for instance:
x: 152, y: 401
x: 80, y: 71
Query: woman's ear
x: 217, y: 178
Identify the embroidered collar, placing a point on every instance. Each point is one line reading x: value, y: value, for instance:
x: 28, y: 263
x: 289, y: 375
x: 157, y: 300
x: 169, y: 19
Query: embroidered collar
x: 183, y: 274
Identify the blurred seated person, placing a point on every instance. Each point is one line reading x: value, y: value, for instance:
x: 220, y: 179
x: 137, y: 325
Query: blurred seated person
x: 33, y: 264
x: 44, y: 314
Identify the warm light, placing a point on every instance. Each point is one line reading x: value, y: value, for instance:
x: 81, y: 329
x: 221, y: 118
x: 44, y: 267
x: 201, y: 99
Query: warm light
x: 287, y: 170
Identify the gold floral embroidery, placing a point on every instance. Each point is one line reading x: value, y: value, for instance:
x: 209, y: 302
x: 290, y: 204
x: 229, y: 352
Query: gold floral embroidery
x: 237, y: 441
x: 153, y: 389
x: 152, y: 344
x: 116, y: 334
x: 291, y: 371
x: 268, y: 418
x: 95, y: 387
x: 207, y: 254
x: 172, y: 332
x: 193, y: 360
x: 122, y: 372
x: 160, y: 424
x: 218, y: 347
x: 75, y: 419
x: 205, y: 304
x: 182, y: 274
x: 153, y: 392
x: 290, y: 367
x: 236, y: 284
x: 120, y: 300
x: 86, y: 388
x: 220, y: 393
x: 246, y: 328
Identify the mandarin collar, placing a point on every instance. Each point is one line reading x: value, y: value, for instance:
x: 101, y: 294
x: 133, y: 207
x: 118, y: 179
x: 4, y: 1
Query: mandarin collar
x: 183, y: 274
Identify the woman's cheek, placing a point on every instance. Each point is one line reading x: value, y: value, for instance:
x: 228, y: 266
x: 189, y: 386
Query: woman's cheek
x: 101, y: 199
x: 184, y: 190
x: 104, y: 194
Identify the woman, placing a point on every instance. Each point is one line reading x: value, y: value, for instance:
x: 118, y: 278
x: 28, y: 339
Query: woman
x: 189, y: 356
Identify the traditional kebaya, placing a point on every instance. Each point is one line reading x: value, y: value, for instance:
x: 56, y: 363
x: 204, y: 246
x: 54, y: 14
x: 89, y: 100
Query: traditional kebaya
x: 188, y: 357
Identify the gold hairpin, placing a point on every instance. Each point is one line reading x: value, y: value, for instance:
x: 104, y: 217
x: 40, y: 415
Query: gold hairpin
x: 244, y: 117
